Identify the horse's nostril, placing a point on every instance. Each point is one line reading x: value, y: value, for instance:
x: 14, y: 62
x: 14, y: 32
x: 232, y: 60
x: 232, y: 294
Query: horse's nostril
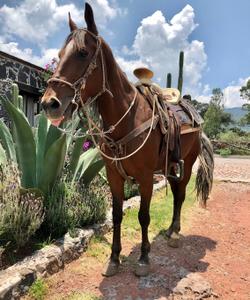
x: 51, y: 104
x: 54, y: 103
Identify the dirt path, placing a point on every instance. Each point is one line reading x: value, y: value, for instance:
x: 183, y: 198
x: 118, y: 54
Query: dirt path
x: 213, y: 262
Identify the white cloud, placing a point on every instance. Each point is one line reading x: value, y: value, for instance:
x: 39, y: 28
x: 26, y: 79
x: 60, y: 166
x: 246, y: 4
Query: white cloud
x: 102, y: 10
x: 27, y: 53
x: 158, y: 43
x: 129, y: 66
x: 35, y: 21
x: 231, y: 94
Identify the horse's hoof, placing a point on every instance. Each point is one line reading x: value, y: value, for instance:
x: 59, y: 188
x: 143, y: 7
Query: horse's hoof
x: 142, y: 269
x: 168, y: 232
x: 174, y: 240
x: 111, y: 268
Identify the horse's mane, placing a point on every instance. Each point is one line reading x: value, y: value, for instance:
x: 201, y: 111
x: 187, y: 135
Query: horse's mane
x: 78, y: 36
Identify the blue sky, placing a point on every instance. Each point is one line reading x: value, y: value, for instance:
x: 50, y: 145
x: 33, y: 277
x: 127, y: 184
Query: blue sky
x: 212, y: 33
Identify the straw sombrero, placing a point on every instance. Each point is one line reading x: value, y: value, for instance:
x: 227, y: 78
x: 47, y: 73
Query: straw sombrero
x: 143, y: 73
x: 171, y: 95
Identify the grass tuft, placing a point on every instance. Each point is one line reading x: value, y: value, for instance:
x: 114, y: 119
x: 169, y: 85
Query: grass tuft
x: 38, y: 290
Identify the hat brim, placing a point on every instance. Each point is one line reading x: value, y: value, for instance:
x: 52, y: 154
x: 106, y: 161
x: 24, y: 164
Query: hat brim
x: 143, y: 73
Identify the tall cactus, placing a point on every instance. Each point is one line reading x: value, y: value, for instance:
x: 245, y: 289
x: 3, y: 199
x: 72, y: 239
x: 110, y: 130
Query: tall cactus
x: 169, y: 80
x: 17, y: 100
x: 180, y: 78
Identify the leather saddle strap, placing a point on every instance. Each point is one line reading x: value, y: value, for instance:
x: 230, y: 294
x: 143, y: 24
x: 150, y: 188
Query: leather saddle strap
x: 137, y: 131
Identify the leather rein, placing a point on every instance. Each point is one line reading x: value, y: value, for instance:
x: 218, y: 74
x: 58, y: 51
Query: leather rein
x: 80, y: 84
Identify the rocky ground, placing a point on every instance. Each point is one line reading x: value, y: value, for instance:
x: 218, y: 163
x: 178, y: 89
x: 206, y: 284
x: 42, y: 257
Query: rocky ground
x: 213, y: 261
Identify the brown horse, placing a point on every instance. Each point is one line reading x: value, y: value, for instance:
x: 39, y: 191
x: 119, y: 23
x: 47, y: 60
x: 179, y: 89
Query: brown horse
x: 87, y: 72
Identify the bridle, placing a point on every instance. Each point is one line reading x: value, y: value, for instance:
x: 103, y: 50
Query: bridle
x: 80, y: 83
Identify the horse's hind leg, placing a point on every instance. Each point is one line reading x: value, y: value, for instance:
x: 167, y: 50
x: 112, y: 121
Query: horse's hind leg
x: 116, y: 183
x: 179, y: 193
x: 146, y: 188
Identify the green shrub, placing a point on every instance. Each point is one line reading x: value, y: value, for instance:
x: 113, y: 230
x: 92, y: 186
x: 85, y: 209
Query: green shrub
x: 41, y: 152
x: 74, y: 205
x: 38, y: 290
x: 234, y: 137
x: 21, y: 212
x: 225, y: 152
x: 130, y: 190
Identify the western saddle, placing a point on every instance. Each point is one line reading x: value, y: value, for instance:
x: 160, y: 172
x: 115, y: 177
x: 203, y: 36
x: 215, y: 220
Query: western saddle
x: 176, y: 115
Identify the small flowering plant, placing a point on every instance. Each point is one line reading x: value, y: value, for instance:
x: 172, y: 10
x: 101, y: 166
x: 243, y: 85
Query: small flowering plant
x: 86, y: 145
x: 49, y: 69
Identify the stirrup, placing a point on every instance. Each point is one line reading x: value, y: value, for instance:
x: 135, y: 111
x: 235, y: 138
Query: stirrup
x: 179, y: 176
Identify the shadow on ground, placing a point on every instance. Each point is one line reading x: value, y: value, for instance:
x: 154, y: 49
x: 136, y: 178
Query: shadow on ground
x: 169, y: 266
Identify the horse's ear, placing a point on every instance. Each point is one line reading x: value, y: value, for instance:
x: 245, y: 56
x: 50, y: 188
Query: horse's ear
x: 89, y: 19
x: 72, y: 24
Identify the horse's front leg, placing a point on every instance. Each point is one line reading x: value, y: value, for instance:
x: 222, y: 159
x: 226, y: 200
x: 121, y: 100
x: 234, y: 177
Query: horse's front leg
x: 146, y: 188
x: 116, y: 183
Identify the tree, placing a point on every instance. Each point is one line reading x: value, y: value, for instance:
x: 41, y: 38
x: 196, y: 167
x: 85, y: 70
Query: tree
x: 200, y: 107
x: 215, y: 119
x: 245, y: 94
x: 217, y: 97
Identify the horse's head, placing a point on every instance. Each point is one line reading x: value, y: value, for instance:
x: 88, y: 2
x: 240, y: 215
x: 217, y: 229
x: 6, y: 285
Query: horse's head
x: 78, y: 75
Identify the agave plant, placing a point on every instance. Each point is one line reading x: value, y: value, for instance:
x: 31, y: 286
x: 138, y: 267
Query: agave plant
x: 41, y: 152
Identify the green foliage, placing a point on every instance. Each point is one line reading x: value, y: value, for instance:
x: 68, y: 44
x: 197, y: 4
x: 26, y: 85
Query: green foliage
x: 7, y: 142
x: 225, y: 152
x: 180, y: 77
x: 25, y: 144
x: 245, y: 91
x: 217, y: 97
x: 233, y: 142
x: 130, y: 190
x: 86, y: 165
x: 17, y: 100
x: 82, y: 296
x: 38, y: 290
x: 40, y: 165
x: 69, y: 206
x: 200, y: 107
x: 21, y: 212
x: 245, y: 94
x: 212, y: 121
x: 41, y: 153
x: 234, y: 137
x: 215, y: 119
x: 169, y: 80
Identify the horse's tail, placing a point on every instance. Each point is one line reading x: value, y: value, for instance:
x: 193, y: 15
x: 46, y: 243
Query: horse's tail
x: 204, y: 178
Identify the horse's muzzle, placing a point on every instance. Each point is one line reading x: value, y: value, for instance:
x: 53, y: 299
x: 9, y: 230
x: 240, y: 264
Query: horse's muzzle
x: 50, y: 105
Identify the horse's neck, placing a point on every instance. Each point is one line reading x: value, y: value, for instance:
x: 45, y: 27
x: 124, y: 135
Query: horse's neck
x: 113, y: 108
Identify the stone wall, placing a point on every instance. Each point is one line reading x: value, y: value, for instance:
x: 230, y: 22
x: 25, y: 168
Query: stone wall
x: 27, y: 76
x: 20, y: 71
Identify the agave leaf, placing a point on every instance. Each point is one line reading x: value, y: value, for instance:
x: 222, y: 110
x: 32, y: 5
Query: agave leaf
x: 25, y: 144
x: 7, y: 141
x: 53, y: 164
x: 84, y: 161
x: 3, y: 157
x: 42, y: 131
x: 92, y: 171
x: 71, y: 128
x: 53, y: 134
x: 75, y: 155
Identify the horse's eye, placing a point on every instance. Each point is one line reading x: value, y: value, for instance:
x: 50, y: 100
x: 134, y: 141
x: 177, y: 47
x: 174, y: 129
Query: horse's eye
x: 83, y: 53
